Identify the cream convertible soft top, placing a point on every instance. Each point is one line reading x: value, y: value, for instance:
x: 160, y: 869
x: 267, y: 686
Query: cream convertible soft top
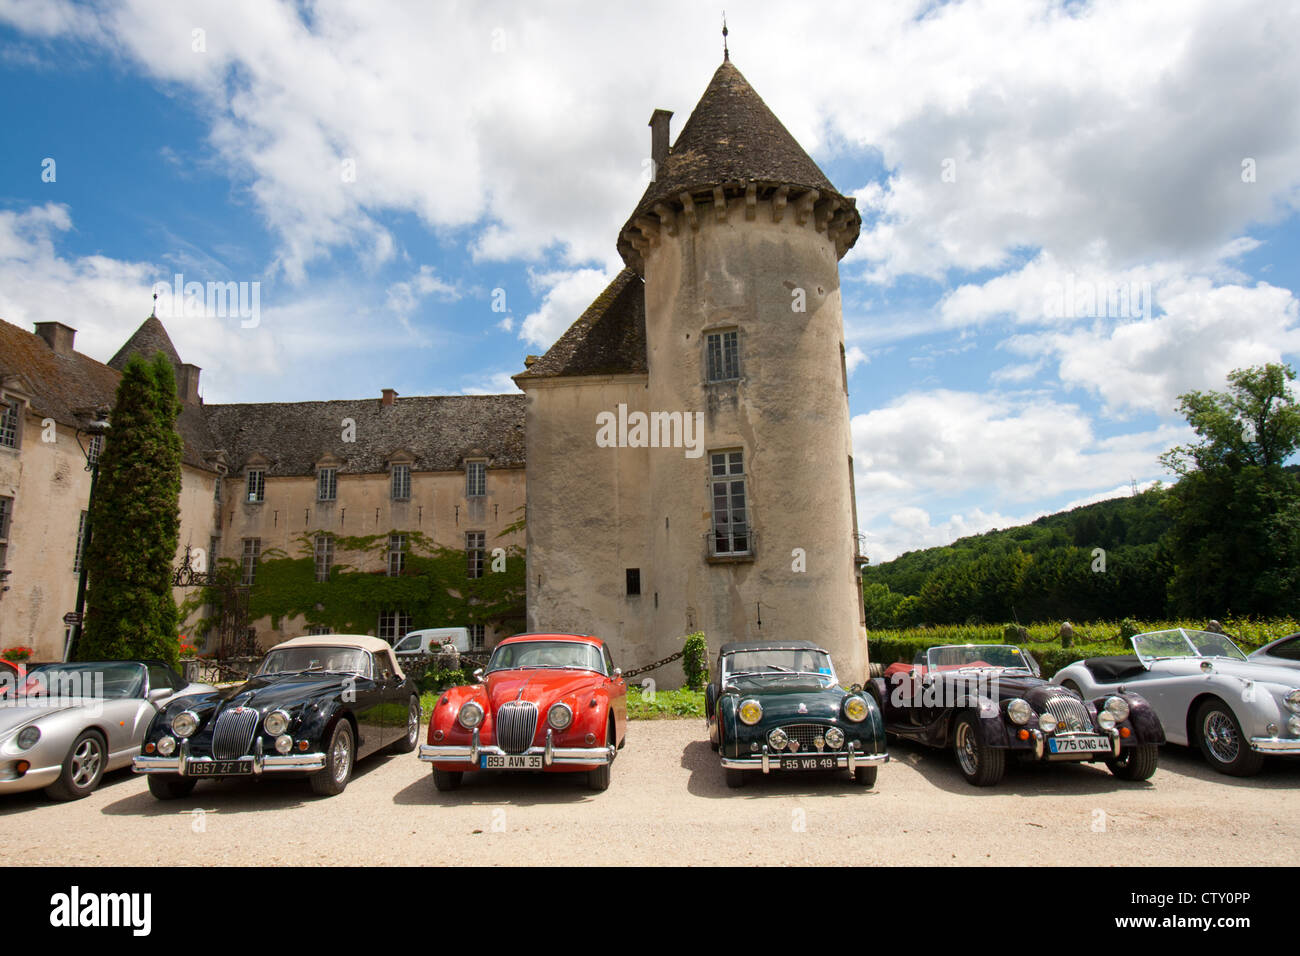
x: 364, y: 641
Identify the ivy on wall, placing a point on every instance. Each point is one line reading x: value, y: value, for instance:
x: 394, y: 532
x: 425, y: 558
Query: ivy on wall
x: 434, y: 586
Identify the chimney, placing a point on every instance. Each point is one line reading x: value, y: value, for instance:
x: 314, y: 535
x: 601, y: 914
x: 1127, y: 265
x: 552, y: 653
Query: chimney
x: 187, y: 383
x: 57, y: 336
x: 388, y: 398
x: 659, y: 137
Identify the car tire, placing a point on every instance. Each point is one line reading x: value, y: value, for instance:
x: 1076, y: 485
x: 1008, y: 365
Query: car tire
x: 980, y: 764
x: 599, y: 778
x: 447, y: 780
x: 412, y: 736
x: 735, y: 778
x: 1135, y: 763
x: 865, y: 777
x: 83, y: 768
x: 1218, y: 734
x: 166, y: 786
x: 715, y: 739
x: 339, y: 758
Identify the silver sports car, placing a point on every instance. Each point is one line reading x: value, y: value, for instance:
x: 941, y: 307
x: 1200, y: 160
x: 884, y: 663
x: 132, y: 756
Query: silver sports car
x: 67, y: 724
x: 1207, y: 693
x: 1284, y: 652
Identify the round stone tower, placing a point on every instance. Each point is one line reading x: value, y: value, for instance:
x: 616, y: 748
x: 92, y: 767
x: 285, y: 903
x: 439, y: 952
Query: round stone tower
x: 738, y: 238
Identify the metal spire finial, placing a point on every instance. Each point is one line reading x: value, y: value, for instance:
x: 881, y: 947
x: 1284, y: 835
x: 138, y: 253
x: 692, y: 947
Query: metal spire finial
x: 154, y: 313
x: 726, y: 54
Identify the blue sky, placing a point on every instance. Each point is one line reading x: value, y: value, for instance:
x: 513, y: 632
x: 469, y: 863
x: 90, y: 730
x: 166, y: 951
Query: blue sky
x: 381, y: 168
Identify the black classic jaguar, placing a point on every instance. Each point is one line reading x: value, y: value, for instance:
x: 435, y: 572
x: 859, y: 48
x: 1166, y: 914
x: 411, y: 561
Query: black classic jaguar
x: 989, y: 700
x: 315, y: 705
x: 777, y: 705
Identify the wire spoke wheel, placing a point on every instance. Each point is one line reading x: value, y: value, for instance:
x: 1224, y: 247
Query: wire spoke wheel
x: 967, y: 754
x: 1221, y: 737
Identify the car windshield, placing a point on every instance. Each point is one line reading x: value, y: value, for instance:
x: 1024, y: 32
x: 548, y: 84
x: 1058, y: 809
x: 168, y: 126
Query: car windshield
x: 1182, y: 642
x: 779, y: 662
x: 976, y: 657
x: 409, y: 643
x: 294, y: 660
x: 557, y: 654
x: 111, y: 680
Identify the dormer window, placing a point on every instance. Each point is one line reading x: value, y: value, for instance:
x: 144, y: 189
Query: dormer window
x: 401, y: 482
x: 475, y: 479
x: 255, y: 486
x: 722, y: 352
x: 327, y: 484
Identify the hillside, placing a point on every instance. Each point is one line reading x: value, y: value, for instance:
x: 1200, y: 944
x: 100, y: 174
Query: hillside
x: 1047, y: 570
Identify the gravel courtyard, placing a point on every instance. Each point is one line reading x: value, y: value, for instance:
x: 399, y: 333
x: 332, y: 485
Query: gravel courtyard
x: 668, y: 805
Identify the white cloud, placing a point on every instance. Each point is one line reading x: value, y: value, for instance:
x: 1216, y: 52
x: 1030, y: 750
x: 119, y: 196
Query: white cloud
x: 494, y: 383
x: 855, y: 357
x: 567, y: 296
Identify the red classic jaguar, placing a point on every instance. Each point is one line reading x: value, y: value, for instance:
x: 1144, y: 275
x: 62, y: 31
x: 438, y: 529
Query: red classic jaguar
x: 552, y: 702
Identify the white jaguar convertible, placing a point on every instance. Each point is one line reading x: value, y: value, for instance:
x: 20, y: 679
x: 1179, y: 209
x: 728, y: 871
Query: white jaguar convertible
x: 1207, y: 693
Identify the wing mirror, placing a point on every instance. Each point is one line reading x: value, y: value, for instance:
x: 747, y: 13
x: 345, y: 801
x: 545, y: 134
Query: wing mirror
x: 478, y: 675
x: 618, y: 673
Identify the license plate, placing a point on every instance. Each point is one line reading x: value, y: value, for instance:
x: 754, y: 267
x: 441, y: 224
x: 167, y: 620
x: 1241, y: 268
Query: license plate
x: 808, y: 763
x: 217, y: 768
x: 1077, y: 745
x: 511, y: 762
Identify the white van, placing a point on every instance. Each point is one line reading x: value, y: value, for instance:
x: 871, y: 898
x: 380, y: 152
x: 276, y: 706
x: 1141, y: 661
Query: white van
x: 427, y: 641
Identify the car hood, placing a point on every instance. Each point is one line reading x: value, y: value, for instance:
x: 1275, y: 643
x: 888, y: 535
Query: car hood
x: 783, y: 700
x: 282, y: 690
x: 17, y: 713
x: 1254, y: 670
x: 539, y: 686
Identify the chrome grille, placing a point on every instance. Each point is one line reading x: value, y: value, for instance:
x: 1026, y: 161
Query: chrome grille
x: 516, y: 725
x: 1071, y: 715
x: 232, y: 736
x: 803, y: 735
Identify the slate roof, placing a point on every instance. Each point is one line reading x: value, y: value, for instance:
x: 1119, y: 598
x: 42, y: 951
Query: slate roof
x: 149, y: 338
x: 607, y: 339
x: 731, y: 138
x: 438, y: 431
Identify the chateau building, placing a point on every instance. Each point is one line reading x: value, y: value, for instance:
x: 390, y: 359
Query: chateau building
x: 689, y: 452
x: 257, y: 480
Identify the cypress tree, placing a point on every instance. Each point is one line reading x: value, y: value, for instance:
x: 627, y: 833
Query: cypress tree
x: 135, y: 522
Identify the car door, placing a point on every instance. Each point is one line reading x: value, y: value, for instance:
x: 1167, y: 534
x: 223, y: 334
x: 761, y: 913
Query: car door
x: 394, y: 710
x: 617, y: 689
x: 368, y: 708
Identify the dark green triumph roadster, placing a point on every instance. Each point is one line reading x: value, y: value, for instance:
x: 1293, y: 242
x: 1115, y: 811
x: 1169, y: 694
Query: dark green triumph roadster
x: 778, y: 706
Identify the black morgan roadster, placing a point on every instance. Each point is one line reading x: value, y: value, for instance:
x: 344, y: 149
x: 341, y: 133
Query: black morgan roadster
x: 989, y: 702
x: 316, y: 705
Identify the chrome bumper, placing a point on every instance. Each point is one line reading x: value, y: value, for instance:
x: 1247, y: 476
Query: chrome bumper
x: 551, y: 755
x: 1275, y: 745
x: 262, y: 763
x: 849, y: 759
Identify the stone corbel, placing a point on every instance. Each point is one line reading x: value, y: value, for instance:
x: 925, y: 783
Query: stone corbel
x: 688, y: 209
x: 720, y: 203
x: 825, y: 211
x: 667, y: 219
x: 779, y: 199
x: 804, y: 207
x: 649, y: 229
x: 751, y: 201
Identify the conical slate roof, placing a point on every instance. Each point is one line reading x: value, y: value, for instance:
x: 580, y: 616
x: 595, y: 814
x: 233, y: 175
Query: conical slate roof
x: 149, y: 338
x: 733, y: 140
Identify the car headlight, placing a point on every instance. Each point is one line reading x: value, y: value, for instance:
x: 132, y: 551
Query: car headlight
x: 1046, y: 723
x: 276, y: 723
x: 559, y: 716
x: 855, y: 708
x: 283, y: 743
x: 1117, y: 707
x: 777, y: 739
x: 185, y: 724
x: 1106, y: 720
x: 166, y: 746
x: 750, y: 711
x: 27, y: 737
x: 1293, y: 725
x: 834, y: 738
x: 470, y: 716
x: 1292, y: 701
x: 1019, y: 711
